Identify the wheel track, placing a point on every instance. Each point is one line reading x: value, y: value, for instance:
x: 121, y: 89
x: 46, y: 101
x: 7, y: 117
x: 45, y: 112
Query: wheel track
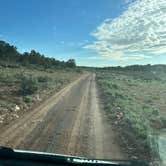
x: 70, y: 122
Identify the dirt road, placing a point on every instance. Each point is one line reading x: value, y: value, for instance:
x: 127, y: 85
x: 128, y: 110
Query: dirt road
x: 70, y: 122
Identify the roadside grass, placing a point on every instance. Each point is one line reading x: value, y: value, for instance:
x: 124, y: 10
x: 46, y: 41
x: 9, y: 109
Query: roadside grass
x: 135, y: 105
x: 21, y: 87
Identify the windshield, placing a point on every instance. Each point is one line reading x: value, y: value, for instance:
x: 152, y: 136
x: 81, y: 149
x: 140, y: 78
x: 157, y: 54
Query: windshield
x: 84, y: 78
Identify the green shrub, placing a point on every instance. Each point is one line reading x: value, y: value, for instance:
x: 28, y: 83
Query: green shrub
x: 2, y: 78
x: 163, y: 121
x: 28, y: 99
x: 6, y: 78
x: 114, y: 86
x: 78, y: 70
x: 19, y: 76
x: 43, y: 79
x: 29, y: 85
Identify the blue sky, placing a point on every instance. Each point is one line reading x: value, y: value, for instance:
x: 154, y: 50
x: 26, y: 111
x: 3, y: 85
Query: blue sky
x: 94, y: 32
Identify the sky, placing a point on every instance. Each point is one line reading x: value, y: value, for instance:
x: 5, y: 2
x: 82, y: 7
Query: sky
x: 93, y: 32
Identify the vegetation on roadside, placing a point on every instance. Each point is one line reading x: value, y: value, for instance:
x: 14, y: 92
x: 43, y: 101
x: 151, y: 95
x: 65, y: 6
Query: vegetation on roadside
x: 28, y: 78
x: 135, y: 102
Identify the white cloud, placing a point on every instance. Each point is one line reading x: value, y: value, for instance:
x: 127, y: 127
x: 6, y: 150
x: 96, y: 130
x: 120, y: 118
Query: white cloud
x: 96, y: 58
x: 128, y: 1
x: 140, y: 32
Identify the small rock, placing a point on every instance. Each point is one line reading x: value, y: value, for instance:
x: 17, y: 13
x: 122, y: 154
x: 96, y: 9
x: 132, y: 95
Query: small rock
x: 17, y: 108
x: 38, y: 97
x: 134, y: 157
x: 121, y: 114
x: 24, y: 106
x: 116, y: 122
x: 2, y: 118
x: 15, y: 115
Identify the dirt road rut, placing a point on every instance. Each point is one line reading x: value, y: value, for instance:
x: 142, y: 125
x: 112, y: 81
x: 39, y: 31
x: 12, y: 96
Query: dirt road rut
x: 70, y: 122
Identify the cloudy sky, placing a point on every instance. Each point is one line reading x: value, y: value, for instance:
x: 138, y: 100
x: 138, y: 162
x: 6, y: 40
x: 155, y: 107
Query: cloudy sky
x: 94, y: 32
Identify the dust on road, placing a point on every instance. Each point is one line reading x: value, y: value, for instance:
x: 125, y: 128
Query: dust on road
x: 70, y: 122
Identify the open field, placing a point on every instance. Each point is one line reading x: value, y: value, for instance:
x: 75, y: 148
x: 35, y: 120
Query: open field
x: 21, y: 88
x: 135, y: 104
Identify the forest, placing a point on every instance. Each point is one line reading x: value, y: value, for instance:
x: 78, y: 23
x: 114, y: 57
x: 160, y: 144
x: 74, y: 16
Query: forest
x: 9, y: 56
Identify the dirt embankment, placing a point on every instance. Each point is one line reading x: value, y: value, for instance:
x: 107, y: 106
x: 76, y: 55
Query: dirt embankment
x: 70, y: 122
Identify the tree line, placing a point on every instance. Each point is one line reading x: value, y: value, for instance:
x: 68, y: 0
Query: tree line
x: 143, y: 68
x: 10, y: 55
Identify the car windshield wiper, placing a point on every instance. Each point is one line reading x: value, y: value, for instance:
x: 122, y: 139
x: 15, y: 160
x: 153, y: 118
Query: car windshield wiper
x: 10, y: 156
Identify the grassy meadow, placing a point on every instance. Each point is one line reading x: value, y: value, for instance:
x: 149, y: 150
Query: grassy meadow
x: 21, y: 87
x: 135, y: 103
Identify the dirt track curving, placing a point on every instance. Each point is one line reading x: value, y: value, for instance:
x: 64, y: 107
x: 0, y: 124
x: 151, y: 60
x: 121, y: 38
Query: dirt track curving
x: 70, y: 122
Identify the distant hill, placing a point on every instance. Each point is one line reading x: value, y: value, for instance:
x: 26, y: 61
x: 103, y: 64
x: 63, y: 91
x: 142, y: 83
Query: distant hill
x: 148, y: 67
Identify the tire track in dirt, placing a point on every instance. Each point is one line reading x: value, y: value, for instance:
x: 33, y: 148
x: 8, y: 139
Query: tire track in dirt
x: 70, y: 122
x: 74, y: 146
x: 53, y: 133
x: 12, y: 134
